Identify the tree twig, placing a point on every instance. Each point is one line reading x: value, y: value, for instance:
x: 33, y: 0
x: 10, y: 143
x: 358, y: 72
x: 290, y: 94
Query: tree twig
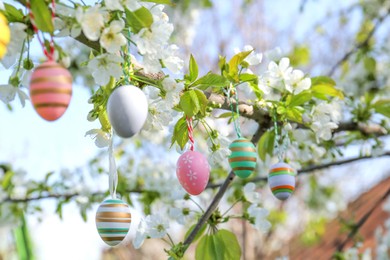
x: 359, y: 45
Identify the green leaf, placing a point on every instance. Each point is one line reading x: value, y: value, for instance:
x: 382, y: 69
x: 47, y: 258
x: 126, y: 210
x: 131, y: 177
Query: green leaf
x: 248, y: 77
x: 163, y: 2
x: 203, y: 101
x: 7, y: 179
x: 139, y: 19
x: 220, y: 246
x: 180, y: 133
x: 198, y: 235
x: 42, y: 16
x: 236, y: 61
x: 225, y: 115
x: 383, y: 107
x: 189, y: 103
x: 324, y: 86
x: 266, y: 144
x: 12, y: 14
x: 300, y: 99
x: 193, y: 69
x: 295, y: 114
x: 300, y: 56
x: 210, y: 80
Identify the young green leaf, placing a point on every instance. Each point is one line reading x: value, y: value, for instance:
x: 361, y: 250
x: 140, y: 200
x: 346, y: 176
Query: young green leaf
x: 12, y: 14
x: 42, y: 16
x: 203, y: 101
x: 266, y: 144
x: 139, y: 19
x: 295, y: 114
x: 162, y: 2
x: 324, y: 86
x: 301, y: 98
x: 236, y: 61
x: 382, y: 106
x: 219, y: 246
x: 210, y: 80
x: 180, y: 133
x: 193, y: 69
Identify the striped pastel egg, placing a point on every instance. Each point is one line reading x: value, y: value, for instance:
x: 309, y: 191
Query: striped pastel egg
x: 242, y: 160
x: 113, y: 220
x: 5, y: 35
x: 50, y: 90
x: 281, y: 180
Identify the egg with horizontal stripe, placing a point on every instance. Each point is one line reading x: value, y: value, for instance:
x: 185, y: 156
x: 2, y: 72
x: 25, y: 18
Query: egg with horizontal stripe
x: 243, y: 157
x: 281, y: 180
x: 113, y: 220
x: 50, y: 90
x: 5, y: 35
x: 193, y: 172
x: 127, y: 110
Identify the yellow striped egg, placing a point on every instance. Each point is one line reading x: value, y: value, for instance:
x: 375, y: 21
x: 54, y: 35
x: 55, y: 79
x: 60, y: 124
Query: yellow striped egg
x: 50, y: 90
x: 281, y: 180
x: 5, y: 35
x: 113, y: 220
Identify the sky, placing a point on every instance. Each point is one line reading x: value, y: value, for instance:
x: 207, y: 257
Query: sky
x: 28, y: 142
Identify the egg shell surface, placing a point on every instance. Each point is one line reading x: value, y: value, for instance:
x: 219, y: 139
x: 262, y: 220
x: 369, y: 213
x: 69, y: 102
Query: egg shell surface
x: 127, y: 110
x: 193, y: 172
x: 113, y: 220
x: 50, y: 90
x: 243, y: 158
x: 281, y: 180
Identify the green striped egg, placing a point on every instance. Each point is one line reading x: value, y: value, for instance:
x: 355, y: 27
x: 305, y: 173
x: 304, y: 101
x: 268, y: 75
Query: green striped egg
x: 242, y: 160
x: 113, y: 220
x: 281, y: 180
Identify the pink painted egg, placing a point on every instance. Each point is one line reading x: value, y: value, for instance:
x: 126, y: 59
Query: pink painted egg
x: 193, y: 172
x: 50, y: 90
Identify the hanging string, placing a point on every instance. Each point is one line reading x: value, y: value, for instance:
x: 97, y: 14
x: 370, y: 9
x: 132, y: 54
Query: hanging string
x: 127, y: 61
x: 282, y: 140
x: 49, y: 54
x: 190, y: 133
x: 237, y: 111
x: 113, y: 173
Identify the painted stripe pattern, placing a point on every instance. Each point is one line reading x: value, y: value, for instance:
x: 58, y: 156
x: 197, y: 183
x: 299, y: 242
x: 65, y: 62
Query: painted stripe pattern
x: 243, y: 158
x: 113, y: 220
x: 281, y: 180
x: 50, y: 90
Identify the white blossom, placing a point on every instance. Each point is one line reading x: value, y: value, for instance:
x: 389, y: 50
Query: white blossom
x: 105, y: 66
x: 250, y: 193
x: 325, y: 118
x: 102, y: 138
x: 281, y: 70
x: 92, y: 21
x: 14, y: 47
x: 156, y: 226
x: 297, y: 82
x: 253, y: 58
x: 153, y: 40
x: 112, y: 39
x: 140, y: 235
x: 131, y: 5
x: 9, y: 92
x: 259, y: 215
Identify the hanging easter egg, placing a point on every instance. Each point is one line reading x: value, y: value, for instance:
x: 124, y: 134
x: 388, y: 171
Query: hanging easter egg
x: 242, y: 160
x: 113, y: 220
x: 281, y: 180
x: 50, y: 90
x: 193, y: 172
x: 5, y: 35
x: 127, y: 109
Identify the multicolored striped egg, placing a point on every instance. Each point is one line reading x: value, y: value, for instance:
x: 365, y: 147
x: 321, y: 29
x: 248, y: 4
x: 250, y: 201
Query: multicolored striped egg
x: 193, y: 172
x: 113, y: 220
x: 281, y: 180
x: 242, y: 160
x: 50, y: 90
x: 5, y: 35
x: 127, y: 109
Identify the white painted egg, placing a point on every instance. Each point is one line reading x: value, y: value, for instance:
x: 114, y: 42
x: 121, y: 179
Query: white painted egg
x: 127, y: 110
